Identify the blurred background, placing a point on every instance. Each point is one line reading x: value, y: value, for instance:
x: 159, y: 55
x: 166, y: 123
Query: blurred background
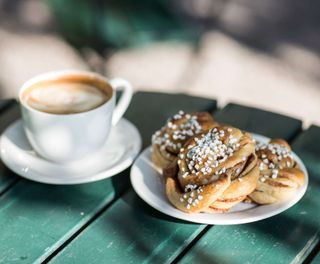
x: 258, y: 53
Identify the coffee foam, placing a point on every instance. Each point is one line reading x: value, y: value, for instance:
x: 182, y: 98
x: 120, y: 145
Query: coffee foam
x: 64, y: 97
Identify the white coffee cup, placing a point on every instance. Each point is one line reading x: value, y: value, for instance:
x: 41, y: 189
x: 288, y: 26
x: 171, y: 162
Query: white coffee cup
x: 63, y: 138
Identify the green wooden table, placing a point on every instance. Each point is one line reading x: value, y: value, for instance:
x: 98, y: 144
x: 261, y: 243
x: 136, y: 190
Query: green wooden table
x: 106, y: 222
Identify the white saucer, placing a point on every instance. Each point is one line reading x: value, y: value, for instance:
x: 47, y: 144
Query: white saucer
x: 149, y: 185
x: 122, y: 146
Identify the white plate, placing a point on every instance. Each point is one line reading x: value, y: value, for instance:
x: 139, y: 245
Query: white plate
x: 122, y: 146
x: 148, y: 184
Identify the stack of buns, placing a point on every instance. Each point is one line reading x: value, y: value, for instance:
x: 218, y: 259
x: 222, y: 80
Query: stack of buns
x: 208, y: 167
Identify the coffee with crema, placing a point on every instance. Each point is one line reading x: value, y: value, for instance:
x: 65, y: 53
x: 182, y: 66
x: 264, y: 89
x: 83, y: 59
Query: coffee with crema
x: 67, y: 95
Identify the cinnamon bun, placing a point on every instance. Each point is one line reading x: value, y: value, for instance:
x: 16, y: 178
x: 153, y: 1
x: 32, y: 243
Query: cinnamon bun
x: 279, y: 174
x: 215, y: 171
x: 167, y: 142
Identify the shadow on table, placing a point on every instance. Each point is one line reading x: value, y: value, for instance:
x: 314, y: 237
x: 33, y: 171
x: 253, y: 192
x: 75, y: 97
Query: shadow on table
x: 148, y: 234
x: 292, y: 229
x: 73, y: 199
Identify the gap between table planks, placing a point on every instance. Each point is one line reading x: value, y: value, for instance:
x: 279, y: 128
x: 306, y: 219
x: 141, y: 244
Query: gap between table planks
x: 131, y: 231
x: 37, y: 219
x: 316, y: 259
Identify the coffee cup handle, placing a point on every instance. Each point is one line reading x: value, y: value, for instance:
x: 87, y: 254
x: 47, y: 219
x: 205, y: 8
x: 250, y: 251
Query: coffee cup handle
x: 124, y: 101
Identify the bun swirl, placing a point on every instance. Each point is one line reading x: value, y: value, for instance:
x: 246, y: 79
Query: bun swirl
x: 167, y: 142
x: 215, y: 171
x: 279, y: 174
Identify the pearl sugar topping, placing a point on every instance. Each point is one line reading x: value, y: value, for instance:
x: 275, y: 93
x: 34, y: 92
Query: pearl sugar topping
x: 192, y: 195
x: 180, y: 132
x: 210, y: 151
x: 280, y: 151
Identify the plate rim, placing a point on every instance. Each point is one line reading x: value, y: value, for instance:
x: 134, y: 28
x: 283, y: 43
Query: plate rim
x: 174, y: 212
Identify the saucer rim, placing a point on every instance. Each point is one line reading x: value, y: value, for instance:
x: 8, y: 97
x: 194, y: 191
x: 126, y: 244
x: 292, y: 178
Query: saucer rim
x: 36, y: 176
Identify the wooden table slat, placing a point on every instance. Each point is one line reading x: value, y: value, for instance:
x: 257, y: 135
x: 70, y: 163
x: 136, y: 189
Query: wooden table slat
x: 36, y: 219
x: 259, y: 121
x: 131, y: 231
x: 137, y: 236
x: 151, y: 110
x: 286, y: 238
